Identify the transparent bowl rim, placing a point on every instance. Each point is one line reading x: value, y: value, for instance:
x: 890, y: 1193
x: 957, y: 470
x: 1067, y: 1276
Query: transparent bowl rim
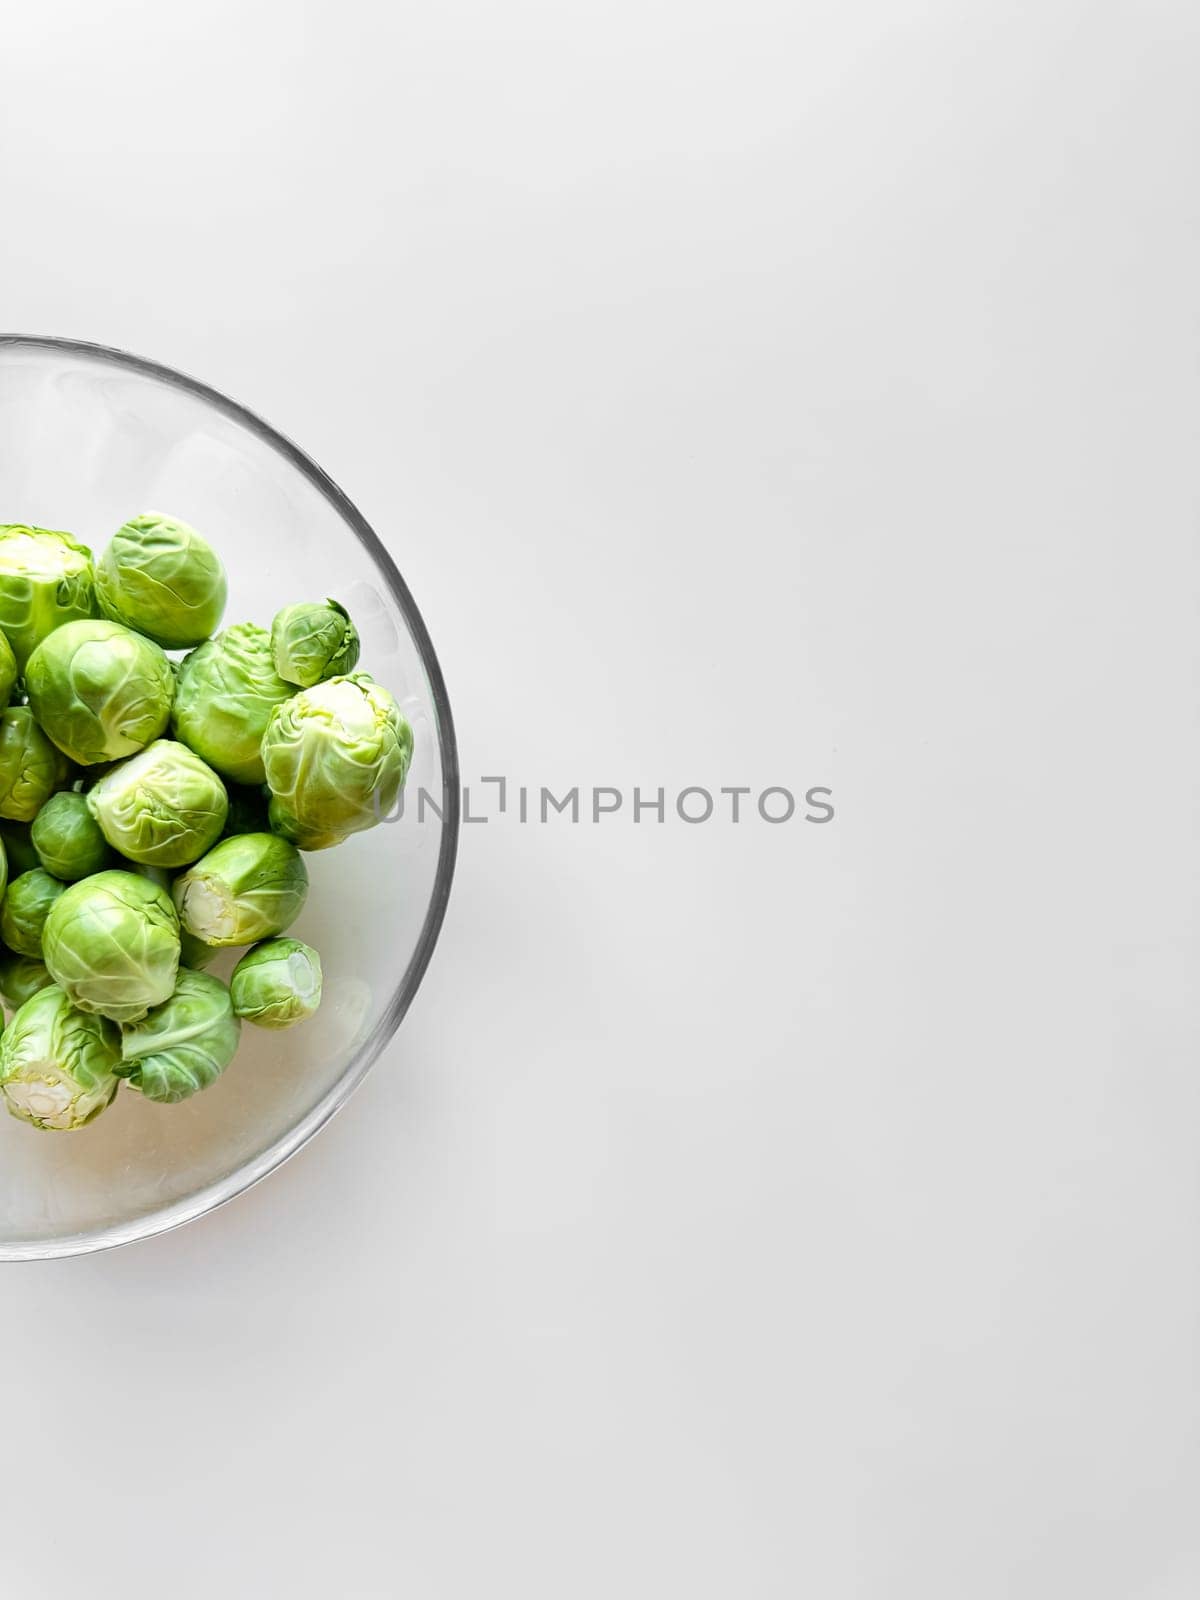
x: 238, y: 1181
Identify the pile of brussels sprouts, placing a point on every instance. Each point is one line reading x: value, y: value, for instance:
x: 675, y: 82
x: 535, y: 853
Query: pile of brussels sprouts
x: 153, y: 811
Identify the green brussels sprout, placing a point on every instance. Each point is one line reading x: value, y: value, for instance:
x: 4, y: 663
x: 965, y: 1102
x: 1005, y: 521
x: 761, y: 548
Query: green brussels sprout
x: 31, y: 768
x: 245, y: 889
x: 17, y: 840
x: 8, y: 672
x: 226, y: 693
x: 57, y: 1065
x: 159, y: 576
x: 45, y: 580
x: 99, y: 690
x: 335, y: 759
x: 184, y: 1044
x: 21, y: 977
x: 277, y: 983
x: 67, y: 838
x: 312, y: 642
x: 25, y: 909
x: 247, y: 809
x: 112, y: 942
x: 194, y: 953
x: 163, y: 807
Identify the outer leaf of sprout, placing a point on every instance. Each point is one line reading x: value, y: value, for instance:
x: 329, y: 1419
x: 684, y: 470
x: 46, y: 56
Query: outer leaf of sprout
x: 112, y: 942
x: 26, y: 906
x: 21, y: 977
x: 335, y: 757
x: 57, y: 1064
x: 184, y: 1044
x: 159, y: 576
x: 312, y: 642
x: 224, y: 698
x: 45, y: 581
x: 67, y: 838
x: 31, y: 768
x: 247, y: 888
x: 101, y: 691
x: 277, y: 983
x: 164, y: 807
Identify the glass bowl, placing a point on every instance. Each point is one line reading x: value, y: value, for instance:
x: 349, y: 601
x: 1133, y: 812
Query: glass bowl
x: 89, y: 437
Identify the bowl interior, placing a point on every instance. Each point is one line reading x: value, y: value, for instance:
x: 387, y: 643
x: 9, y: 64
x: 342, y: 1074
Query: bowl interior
x: 89, y: 437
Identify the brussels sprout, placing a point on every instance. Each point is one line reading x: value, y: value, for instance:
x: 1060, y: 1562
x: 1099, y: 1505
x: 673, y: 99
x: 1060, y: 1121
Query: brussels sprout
x: 58, y: 1066
x: 45, y: 580
x: 313, y: 642
x: 163, y: 807
x: 99, y: 690
x: 335, y: 759
x: 17, y: 840
x: 194, y: 953
x: 226, y: 693
x: 277, y: 983
x: 247, y: 809
x: 67, y: 838
x: 112, y: 942
x: 21, y: 977
x: 8, y: 672
x: 245, y: 889
x: 159, y: 576
x: 31, y: 768
x: 184, y: 1044
x: 25, y: 909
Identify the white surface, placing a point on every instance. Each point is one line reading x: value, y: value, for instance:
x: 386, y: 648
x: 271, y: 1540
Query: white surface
x: 764, y: 394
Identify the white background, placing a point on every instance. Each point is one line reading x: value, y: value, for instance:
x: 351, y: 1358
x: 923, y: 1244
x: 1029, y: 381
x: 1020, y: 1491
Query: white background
x: 767, y: 393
